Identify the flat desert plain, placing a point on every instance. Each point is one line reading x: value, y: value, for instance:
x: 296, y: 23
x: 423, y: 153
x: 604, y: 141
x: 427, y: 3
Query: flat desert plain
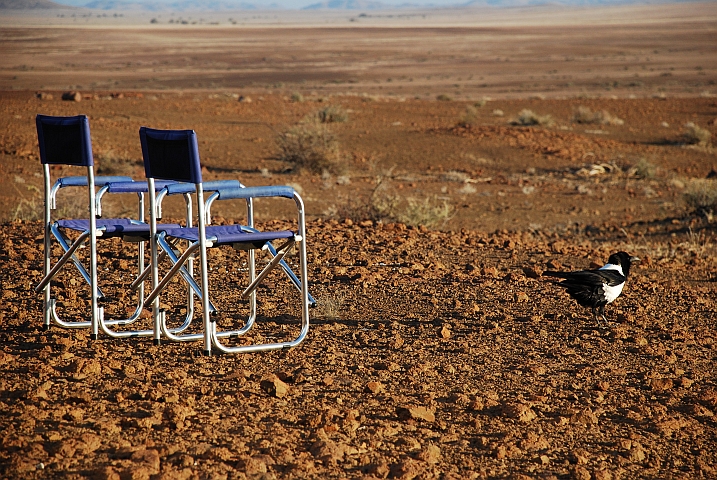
x: 463, y: 153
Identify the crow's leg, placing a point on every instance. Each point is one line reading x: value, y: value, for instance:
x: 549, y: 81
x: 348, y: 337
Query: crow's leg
x: 601, y: 310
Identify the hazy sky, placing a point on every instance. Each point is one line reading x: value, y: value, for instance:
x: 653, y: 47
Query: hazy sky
x: 288, y: 3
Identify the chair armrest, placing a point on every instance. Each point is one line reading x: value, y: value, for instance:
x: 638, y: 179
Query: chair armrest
x: 257, y: 192
x: 136, y: 187
x: 100, y: 181
x: 215, y: 185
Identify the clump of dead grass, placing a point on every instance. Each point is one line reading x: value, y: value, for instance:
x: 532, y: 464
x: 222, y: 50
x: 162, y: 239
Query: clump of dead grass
x: 584, y: 115
x: 311, y: 146
x: 700, y: 195
x: 29, y: 206
x: 385, y: 205
x: 332, y: 114
x: 695, y: 135
x: 429, y: 211
x: 527, y: 117
x: 644, y: 169
x: 329, y: 307
x: 469, y: 117
x: 112, y: 163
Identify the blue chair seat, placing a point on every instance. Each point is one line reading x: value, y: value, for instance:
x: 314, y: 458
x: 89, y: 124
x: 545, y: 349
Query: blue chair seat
x: 115, y: 227
x: 229, y: 234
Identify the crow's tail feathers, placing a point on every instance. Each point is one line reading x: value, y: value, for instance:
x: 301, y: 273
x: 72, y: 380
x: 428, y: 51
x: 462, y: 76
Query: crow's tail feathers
x: 557, y: 274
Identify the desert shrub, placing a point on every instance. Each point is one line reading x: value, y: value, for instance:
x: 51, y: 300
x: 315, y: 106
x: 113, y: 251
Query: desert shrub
x: 695, y: 135
x: 332, y: 114
x: 311, y: 146
x: 429, y: 211
x: 29, y: 204
x: 111, y: 163
x: 297, y: 97
x: 384, y: 205
x: 700, y: 195
x: 586, y: 116
x: 528, y: 117
x: 444, y: 98
x: 470, y: 116
x: 329, y: 307
x: 645, y: 169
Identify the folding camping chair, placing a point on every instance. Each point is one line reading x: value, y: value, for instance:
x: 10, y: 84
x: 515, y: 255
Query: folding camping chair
x: 67, y: 141
x: 174, y: 155
x: 162, y: 189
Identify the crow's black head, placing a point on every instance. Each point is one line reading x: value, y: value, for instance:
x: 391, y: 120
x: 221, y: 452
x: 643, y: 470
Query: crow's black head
x: 624, y: 260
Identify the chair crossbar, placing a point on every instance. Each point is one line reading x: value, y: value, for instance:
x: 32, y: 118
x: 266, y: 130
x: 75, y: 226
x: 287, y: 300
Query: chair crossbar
x: 177, y: 267
x: 278, y: 257
x: 69, y: 254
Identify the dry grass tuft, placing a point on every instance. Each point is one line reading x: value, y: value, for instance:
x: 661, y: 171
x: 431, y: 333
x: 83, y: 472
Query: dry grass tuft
x: 644, y: 169
x: 695, y: 135
x: 111, y: 163
x: 529, y: 118
x: 584, y: 115
x: 700, y: 195
x: 311, y: 146
x: 332, y: 114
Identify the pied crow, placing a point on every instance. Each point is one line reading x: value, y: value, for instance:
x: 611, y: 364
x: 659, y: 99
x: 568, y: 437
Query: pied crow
x: 596, y: 288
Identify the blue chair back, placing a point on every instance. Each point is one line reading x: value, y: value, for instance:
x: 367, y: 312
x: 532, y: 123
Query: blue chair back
x: 171, y: 155
x: 64, y: 140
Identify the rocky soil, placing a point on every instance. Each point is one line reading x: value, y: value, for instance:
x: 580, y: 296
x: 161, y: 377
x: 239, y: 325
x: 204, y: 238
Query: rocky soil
x: 434, y: 352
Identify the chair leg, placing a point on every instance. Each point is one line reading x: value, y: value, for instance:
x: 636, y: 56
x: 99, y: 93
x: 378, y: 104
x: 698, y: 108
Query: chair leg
x: 285, y: 266
x: 177, y: 267
x: 278, y: 257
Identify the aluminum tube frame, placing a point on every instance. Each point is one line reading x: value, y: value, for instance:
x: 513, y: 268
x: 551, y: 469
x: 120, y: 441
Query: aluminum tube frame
x: 250, y: 229
x: 303, y: 268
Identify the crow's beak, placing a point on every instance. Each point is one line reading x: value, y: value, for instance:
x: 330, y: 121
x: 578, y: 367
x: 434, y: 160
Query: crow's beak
x: 634, y: 259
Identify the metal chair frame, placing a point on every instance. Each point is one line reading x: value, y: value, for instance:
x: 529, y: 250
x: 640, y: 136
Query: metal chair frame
x: 158, y: 147
x: 67, y: 141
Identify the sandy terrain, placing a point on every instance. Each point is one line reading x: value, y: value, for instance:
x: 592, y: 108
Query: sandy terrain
x: 434, y: 352
x: 465, y: 54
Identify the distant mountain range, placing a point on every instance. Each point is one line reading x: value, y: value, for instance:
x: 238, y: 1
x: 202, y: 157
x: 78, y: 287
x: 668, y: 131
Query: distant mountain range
x: 224, y: 5
x: 29, y: 5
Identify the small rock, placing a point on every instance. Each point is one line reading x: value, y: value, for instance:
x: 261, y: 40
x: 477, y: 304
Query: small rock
x: 430, y: 454
x: 328, y: 451
x: 416, y: 413
x: 661, y: 384
x: 585, y: 417
x: 532, y: 272
x: 602, y: 475
x: 374, y: 387
x: 274, y: 386
x: 489, y: 272
x: 380, y: 470
x: 519, y: 411
x: 148, y: 458
x: 580, y: 473
x: 406, y: 470
x: 72, y: 96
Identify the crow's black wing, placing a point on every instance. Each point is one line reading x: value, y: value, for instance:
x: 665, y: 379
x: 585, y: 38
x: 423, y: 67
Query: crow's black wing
x: 589, y: 277
x: 586, y: 286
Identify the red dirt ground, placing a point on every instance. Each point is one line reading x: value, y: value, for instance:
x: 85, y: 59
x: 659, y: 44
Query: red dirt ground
x: 434, y: 352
